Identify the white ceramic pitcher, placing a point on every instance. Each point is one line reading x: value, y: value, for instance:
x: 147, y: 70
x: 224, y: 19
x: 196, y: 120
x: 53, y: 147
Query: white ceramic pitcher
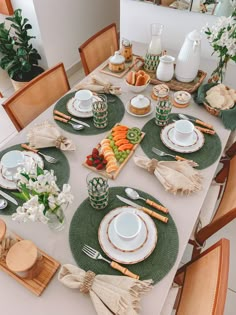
x: 165, y: 69
x: 188, y: 60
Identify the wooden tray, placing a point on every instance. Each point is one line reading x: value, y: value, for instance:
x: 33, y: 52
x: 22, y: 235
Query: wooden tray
x: 113, y: 175
x: 137, y: 62
x: 38, y: 284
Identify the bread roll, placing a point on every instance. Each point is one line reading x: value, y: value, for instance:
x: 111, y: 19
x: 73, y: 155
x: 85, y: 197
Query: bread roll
x: 140, y: 80
x: 130, y: 78
x: 216, y: 100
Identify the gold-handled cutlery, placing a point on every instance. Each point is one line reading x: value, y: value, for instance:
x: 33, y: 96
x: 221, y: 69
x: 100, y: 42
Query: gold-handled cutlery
x: 56, y: 112
x: 94, y: 254
x: 162, y: 153
x: 74, y: 126
x: 133, y: 194
x: 205, y: 130
x: 48, y: 158
x: 144, y: 209
x: 197, y: 121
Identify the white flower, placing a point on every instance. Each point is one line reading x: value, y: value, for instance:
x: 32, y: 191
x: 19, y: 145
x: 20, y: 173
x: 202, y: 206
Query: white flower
x: 65, y: 196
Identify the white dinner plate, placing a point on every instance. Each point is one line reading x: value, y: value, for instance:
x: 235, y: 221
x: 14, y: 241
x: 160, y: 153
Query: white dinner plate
x: 189, y: 142
x: 167, y: 139
x: 30, y: 157
x: 127, y: 245
x: 135, y: 115
x: 127, y: 257
x: 78, y: 113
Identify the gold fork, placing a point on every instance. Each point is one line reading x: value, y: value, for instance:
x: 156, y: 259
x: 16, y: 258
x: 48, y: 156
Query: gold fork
x: 94, y: 254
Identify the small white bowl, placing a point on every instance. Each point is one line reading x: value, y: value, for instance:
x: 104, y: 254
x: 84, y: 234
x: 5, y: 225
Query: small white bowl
x: 182, y: 98
x: 136, y: 88
x: 127, y: 225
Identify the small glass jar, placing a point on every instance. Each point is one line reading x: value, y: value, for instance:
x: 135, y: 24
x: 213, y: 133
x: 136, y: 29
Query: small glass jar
x: 126, y: 50
x: 163, y: 109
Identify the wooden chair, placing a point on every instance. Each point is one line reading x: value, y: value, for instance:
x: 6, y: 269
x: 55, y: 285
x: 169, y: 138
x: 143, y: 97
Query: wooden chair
x: 225, y: 211
x: 204, y: 282
x: 98, y: 48
x: 36, y: 96
x: 1, y: 96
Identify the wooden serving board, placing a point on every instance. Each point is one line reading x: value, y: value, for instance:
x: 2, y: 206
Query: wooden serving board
x: 38, y: 284
x: 113, y: 175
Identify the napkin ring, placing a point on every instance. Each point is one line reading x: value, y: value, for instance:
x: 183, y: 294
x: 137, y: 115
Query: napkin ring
x: 59, y: 140
x: 88, y: 282
x: 152, y: 166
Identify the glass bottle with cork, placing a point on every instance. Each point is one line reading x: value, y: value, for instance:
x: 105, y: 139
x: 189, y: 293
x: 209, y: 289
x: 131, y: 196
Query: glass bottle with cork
x: 163, y: 107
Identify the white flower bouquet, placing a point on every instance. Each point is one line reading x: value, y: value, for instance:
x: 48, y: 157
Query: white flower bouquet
x: 41, y: 194
x: 222, y: 38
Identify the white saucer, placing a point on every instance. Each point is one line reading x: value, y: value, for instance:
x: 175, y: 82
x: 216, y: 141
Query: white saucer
x: 79, y: 113
x: 29, y: 156
x: 127, y: 257
x: 135, y: 115
x: 127, y: 245
x: 167, y: 139
x: 191, y: 141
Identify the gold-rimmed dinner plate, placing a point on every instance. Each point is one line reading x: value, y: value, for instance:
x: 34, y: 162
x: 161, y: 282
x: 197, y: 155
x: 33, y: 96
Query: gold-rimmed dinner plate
x: 131, y: 245
x: 167, y: 137
x: 30, y: 157
x: 73, y: 110
x: 127, y: 257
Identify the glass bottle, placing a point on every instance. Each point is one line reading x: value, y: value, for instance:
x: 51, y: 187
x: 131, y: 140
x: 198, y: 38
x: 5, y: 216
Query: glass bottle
x: 163, y: 108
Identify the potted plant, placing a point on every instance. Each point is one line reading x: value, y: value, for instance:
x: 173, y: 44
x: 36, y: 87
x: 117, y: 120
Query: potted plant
x: 18, y: 57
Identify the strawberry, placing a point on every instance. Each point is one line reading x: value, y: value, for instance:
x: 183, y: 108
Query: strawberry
x: 89, y: 156
x: 104, y: 162
x: 99, y: 166
x: 95, y: 151
x: 101, y: 156
x: 89, y: 162
x: 96, y: 162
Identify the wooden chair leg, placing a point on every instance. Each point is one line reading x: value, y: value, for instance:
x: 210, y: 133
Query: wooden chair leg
x: 196, y: 251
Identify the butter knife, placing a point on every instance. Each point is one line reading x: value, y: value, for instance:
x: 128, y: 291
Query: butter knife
x: 70, y: 118
x: 8, y: 197
x: 146, y: 210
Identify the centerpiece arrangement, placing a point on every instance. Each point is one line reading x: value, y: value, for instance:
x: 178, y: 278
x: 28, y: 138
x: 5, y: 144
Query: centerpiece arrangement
x: 222, y: 38
x: 43, y: 200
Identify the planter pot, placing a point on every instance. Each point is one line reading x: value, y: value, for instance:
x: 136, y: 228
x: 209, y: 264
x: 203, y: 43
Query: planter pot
x: 17, y: 84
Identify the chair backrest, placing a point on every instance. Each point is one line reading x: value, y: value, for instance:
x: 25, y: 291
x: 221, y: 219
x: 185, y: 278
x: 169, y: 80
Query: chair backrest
x: 36, y: 96
x: 226, y: 210
x: 205, y: 282
x: 98, y: 48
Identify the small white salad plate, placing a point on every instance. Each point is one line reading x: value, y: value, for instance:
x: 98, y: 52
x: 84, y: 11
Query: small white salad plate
x: 131, y: 245
x: 135, y: 115
x: 168, y: 139
x: 71, y: 108
x: 121, y: 256
x: 32, y: 159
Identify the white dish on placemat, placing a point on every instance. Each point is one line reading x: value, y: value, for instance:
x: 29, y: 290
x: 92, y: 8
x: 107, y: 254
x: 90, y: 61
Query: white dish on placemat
x: 189, y: 142
x: 167, y: 137
x: 131, y: 245
x: 135, y: 115
x: 30, y: 157
x: 79, y: 113
x: 127, y: 257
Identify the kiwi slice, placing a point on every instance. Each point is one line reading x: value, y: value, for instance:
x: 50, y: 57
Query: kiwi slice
x: 136, y: 130
x: 131, y: 134
x: 136, y: 140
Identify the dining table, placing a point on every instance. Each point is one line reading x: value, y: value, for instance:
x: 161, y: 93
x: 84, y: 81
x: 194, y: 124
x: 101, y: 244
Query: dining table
x: 184, y: 210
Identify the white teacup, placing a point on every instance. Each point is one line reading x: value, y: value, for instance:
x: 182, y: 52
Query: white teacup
x: 10, y: 162
x: 183, y: 131
x: 127, y: 225
x: 83, y: 100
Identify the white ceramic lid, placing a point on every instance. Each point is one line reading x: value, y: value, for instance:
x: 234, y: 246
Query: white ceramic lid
x: 140, y: 101
x: 194, y: 35
x: 117, y: 58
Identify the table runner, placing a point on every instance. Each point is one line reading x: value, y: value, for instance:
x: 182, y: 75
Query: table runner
x: 206, y: 156
x: 116, y: 112
x: 61, y: 169
x: 84, y: 230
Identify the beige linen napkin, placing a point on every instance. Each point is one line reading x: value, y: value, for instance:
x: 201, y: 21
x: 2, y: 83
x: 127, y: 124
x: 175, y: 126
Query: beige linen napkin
x: 46, y: 135
x: 110, y: 295
x: 99, y: 85
x: 175, y: 176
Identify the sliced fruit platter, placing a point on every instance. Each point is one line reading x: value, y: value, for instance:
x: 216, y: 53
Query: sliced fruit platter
x: 113, y: 152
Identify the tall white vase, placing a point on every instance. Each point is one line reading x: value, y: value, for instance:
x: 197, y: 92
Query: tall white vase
x: 188, y: 60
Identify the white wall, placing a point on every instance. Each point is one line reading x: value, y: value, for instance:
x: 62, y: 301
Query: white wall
x: 66, y: 24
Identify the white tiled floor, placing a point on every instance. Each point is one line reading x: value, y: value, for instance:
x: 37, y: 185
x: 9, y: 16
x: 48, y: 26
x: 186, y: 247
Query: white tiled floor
x: 228, y: 232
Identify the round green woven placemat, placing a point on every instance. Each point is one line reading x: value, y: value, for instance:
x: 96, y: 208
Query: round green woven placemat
x: 84, y: 230
x: 61, y: 170
x: 206, y: 156
x: 116, y: 112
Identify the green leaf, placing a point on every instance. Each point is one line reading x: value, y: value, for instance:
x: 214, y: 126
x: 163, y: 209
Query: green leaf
x: 39, y: 171
x: 19, y: 195
x: 21, y: 52
x: 28, y: 27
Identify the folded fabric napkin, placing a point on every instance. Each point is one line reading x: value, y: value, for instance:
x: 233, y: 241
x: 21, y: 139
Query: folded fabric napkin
x: 47, y: 135
x: 99, y: 85
x: 175, y: 176
x: 110, y: 295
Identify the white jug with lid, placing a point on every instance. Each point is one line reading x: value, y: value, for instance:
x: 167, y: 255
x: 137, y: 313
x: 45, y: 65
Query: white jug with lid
x: 188, y: 60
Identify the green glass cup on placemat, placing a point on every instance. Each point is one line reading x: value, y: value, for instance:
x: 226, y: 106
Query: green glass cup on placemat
x: 116, y: 112
x: 84, y: 230
x: 205, y: 157
x: 61, y: 170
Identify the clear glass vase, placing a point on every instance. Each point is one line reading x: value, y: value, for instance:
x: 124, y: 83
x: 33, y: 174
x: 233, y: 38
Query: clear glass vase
x: 218, y: 74
x: 56, y: 219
